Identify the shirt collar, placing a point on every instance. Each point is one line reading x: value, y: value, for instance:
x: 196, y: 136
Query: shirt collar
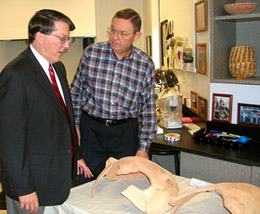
x: 130, y: 56
x: 43, y: 62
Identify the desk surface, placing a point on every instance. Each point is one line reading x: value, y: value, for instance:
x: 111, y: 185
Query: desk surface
x: 108, y: 199
x: 248, y: 155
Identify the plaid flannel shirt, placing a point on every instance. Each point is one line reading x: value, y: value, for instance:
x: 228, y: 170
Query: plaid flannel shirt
x: 116, y: 89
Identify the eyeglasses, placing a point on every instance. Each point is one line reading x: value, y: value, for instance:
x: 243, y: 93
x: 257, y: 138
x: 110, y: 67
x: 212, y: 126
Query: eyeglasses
x: 64, y: 39
x: 122, y: 34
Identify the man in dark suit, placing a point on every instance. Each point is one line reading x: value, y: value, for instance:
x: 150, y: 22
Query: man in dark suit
x: 38, y: 141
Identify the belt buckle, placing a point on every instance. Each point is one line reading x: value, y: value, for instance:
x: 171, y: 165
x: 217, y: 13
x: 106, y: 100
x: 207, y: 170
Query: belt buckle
x: 108, y: 122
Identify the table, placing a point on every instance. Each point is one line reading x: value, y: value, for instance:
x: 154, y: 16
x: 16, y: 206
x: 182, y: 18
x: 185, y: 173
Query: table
x: 108, y: 199
x: 216, y: 163
x: 248, y: 155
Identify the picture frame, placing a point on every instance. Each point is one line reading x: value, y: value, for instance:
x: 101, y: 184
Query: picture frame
x: 201, y: 16
x: 248, y: 114
x: 222, y: 107
x: 201, y: 58
x: 202, y: 107
x: 194, y: 101
x: 164, y: 29
x: 149, y: 45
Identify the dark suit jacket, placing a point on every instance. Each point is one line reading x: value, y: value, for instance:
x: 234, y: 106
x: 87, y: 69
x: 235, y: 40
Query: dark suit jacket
x: 34, y: 132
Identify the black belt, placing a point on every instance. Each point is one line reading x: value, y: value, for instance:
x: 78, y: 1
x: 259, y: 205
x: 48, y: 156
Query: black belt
x: 107, y: 122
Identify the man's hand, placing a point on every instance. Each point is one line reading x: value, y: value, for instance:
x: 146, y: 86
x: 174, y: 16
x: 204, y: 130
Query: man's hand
x: 142, y: 154
x: 29, y: 202
x: 83, y: 168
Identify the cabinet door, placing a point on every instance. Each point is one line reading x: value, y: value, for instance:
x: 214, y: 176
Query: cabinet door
x: 255, y: 178
x: 81, y: 12
x: 213, y: 170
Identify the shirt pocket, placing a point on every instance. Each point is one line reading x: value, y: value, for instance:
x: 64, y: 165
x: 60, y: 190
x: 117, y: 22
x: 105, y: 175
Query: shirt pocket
x: 128, y: 95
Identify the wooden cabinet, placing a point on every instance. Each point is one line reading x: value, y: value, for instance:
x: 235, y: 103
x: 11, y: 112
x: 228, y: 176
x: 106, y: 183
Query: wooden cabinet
x: 228, y: 31
x: 217, y: 171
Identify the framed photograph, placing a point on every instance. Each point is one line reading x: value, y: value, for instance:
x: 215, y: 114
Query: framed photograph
x: 248, y: 114
x: 149, y: 45
x: 202, y: 107
x: 164, y: 29
x: 222, y: 107
x: 194, y: 101
x: 201, y: 16
x: 201, y: 58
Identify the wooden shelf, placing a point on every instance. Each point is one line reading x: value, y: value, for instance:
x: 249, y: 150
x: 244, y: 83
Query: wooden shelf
x: 239, y: 18
x: 247, y: 81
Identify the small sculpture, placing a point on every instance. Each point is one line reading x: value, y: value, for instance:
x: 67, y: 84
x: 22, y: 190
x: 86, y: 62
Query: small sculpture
x: 152, y: 200
x: 162, y: 195
x: 238, y: 198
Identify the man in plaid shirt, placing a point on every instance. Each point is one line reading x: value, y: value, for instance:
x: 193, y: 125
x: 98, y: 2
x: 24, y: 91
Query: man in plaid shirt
x: 113, y: 96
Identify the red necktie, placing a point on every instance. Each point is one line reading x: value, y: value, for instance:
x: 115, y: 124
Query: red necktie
x: 57, y: 91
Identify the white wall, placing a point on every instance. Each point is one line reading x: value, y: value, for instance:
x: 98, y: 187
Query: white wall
x: 105, y: 10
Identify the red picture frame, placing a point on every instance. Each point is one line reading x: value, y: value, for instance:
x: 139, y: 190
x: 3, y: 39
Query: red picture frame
x: 248, y: 114
x: 222, y: 108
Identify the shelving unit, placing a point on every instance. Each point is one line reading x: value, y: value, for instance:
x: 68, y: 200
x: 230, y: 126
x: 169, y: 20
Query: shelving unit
x: 239, y: 18
x: 228, y: 31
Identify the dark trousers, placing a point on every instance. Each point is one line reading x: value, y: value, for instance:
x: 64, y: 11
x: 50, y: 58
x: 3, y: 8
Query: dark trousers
x: 99, y: 142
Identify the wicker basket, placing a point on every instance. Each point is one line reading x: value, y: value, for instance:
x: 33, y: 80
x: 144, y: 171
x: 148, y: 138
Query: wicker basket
x: 242, y: 61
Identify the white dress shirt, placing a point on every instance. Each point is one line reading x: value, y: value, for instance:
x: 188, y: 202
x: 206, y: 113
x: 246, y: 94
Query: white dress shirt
x: 45, y: 65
